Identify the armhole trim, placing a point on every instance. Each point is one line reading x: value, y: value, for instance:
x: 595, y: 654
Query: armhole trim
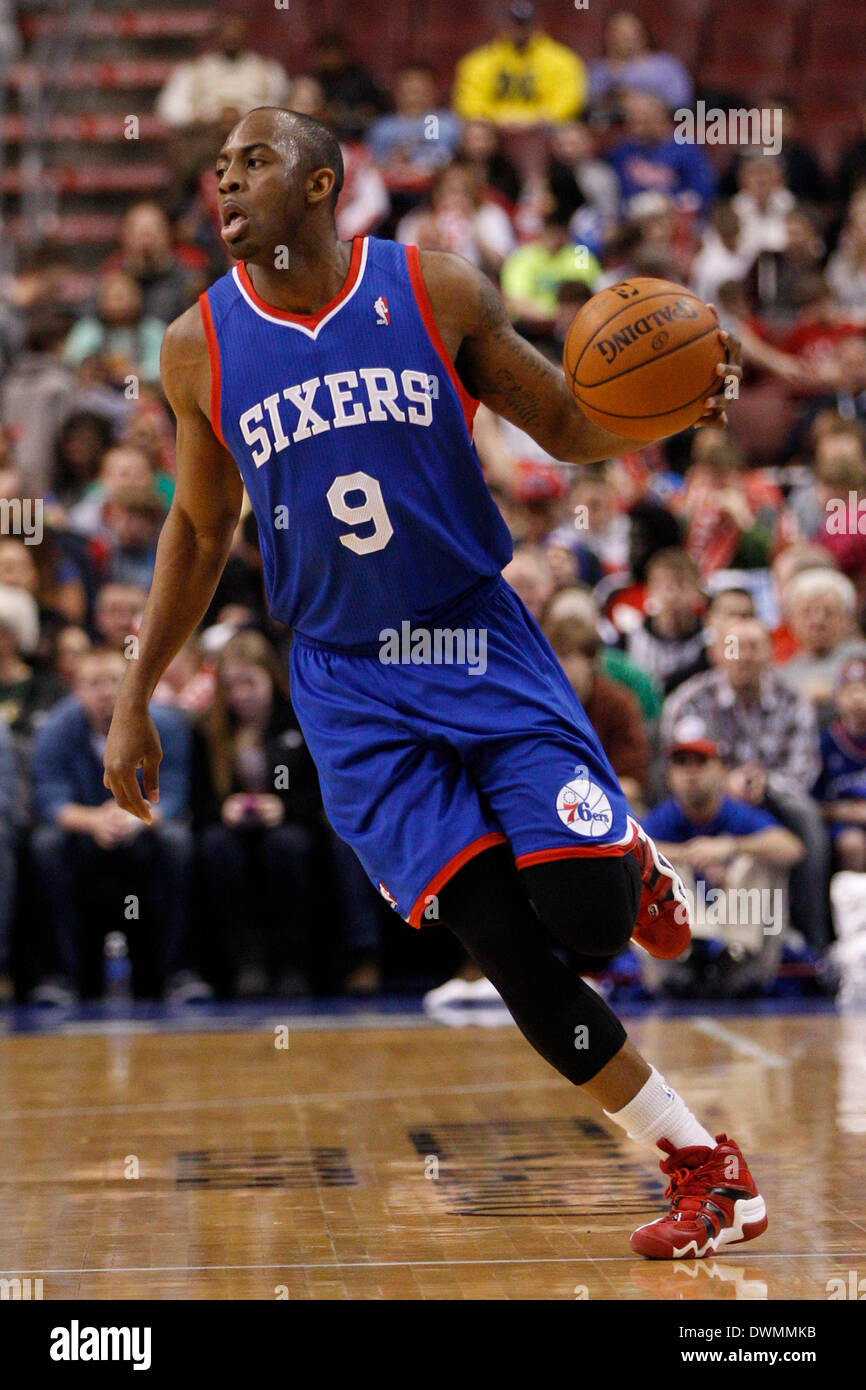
x: 213, y: 352
x: 422, y: 299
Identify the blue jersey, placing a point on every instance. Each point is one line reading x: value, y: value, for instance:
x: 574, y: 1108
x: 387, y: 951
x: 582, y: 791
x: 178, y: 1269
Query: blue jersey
x: 352, y: 433
x: 843, y: 766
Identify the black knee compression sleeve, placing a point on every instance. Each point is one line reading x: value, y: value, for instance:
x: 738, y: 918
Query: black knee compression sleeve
x: 589, y: 904
x: 486, y: 907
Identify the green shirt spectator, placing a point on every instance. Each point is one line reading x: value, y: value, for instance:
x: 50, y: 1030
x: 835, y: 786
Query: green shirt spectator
x: 532, y: 275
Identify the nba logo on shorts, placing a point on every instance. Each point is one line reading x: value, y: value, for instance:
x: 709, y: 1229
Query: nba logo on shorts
x: 583, y: 807
x: 389, y: 897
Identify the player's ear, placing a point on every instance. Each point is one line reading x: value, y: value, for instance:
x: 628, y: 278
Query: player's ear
x: 320, y: 184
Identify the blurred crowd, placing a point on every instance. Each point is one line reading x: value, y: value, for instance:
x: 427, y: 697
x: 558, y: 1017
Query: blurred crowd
x: 705, y: 596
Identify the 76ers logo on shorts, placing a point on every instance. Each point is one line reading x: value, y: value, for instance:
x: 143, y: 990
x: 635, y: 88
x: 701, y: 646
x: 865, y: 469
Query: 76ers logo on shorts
x: 583, y: 807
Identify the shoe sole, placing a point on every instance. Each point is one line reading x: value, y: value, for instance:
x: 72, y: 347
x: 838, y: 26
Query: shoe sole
x: 750, y: 1220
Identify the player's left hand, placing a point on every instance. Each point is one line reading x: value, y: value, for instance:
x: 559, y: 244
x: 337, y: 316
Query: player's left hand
x: 715, y: 414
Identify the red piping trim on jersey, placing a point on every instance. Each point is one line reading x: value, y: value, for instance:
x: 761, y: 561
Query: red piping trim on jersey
x: 542, y: 856
x: 422, y: 299
x: 213, y: 352
x: 494, y: 837
x: 307, y: 320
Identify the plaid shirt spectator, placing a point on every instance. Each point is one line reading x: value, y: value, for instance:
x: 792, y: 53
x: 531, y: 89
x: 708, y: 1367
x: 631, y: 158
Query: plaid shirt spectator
x: 779, y: 732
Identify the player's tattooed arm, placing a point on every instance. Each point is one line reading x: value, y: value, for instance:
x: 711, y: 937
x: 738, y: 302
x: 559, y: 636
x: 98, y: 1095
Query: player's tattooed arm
x: 192, y: 551
x: 505, y: 371
x: 512, y: 377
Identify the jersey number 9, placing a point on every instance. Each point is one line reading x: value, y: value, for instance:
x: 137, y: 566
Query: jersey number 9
x: 371, y: 509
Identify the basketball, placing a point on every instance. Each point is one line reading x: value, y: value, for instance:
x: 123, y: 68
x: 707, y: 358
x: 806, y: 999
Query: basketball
x: 641, y: 357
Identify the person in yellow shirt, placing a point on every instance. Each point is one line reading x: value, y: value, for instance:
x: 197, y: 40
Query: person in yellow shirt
x: 521, y: 78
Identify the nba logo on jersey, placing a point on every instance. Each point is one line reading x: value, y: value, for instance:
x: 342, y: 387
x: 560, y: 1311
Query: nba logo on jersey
x: 383, y: 313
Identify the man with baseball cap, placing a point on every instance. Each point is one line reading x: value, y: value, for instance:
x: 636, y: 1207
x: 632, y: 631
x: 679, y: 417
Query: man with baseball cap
x: 734, y: 859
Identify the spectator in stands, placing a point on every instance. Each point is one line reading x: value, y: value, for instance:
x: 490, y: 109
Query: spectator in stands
x: 70, y: 643
x: 775, y: 278
x: 36, y: 394
x: 167, y: 286
x: 350, y: 93
x: 127, y: 551
x: 762, y: 204
x: 597, y: 517
x: 719, y: 258
x: 801, y: 172
x: 671, y: 638
x: 530, y: 576
x: 579, y: 608
x: 122, y: 338
x: 44, y: 572
x: 725, y: 606
x: 481, y: 146
x: 83, y: 843
x: 631, y: 63
x: 584, y: 188
x: 461, y: 218
x: 27, y: 690
x: 789, y: 561
x: 843, y: 391
x: 364, y: 202
x: 256, y: 804
x: 612, y: 711
x: 224, y: 83
x: 123, y: 466
x: 649, y: 527
x: 523, y: 77
x: 820, y: 328
x: 117, y: 614
x: 841, y: 784
x: 768, y: 739
x: 82, y: 440
x: 822, y: 510
x: 846, y: 269
x: 533, y: 273
x: 729, y: 511
x: 649, y: 160
x: 188, y: 682
x: 11, y: 800
x: 732, y: 855
x: 419, y: 137
x: 821, y: 613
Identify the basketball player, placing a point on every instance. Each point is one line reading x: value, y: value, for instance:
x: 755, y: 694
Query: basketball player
x: 337, y: 383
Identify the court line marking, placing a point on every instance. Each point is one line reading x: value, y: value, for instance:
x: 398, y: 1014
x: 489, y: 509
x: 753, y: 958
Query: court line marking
x: 711, y: 1028
x: 23, y: 1270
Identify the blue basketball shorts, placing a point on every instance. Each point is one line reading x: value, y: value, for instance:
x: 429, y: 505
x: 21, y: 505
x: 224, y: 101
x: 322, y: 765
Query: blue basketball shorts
x: 424, y: 763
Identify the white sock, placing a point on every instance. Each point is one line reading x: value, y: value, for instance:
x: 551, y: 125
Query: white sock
x: 657, y: 1112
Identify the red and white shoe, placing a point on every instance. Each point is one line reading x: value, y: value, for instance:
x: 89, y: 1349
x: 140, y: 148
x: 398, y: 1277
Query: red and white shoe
x: 663, y: 925
x: 714, y: 1203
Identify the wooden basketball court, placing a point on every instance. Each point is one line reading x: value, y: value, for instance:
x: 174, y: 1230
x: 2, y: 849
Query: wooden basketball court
x: 411, y: 1162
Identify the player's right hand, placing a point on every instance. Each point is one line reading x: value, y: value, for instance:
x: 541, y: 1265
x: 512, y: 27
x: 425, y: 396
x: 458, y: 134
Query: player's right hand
x: 133, y: 743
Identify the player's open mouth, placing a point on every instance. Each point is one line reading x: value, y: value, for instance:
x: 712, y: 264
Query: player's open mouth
x: 235, y: 226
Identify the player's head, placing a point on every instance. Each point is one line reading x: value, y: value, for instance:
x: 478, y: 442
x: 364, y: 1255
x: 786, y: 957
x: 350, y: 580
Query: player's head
x: 280, y: 174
